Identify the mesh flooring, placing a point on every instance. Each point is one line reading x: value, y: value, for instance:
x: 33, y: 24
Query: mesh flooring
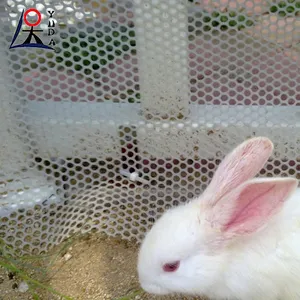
x: 161, y: 91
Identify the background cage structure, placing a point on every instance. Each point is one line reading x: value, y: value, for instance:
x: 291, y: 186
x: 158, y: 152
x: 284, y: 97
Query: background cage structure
x: 136, y: 108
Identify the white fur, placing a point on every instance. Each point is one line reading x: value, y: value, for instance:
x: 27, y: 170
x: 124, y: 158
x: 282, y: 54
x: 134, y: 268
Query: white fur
x: 262, y: 266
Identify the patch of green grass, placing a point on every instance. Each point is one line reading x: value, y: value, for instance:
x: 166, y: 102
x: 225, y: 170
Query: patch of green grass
x: 23, y: 266
x: 225, y: 21
x: 105, y: 47
x: 101, y: 49
x: 131, y: 296
x: 286, y: 8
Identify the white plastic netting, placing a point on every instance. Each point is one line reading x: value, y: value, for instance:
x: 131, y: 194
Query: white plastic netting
x: 136, y: 107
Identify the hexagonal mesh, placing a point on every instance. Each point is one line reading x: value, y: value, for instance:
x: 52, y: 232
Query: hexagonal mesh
x: 136, y: 107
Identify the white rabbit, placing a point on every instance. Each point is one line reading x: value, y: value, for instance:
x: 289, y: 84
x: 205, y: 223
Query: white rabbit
x: 239, y: 240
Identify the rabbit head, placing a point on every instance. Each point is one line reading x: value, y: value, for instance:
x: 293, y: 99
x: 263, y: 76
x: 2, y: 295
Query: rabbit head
x: 188, y: 249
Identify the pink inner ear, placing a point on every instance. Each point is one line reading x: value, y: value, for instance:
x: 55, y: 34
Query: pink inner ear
x: 243, y: 163
x: 255, y: 203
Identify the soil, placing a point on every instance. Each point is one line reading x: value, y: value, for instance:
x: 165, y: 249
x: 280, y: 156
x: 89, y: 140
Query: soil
x: 94, y: 267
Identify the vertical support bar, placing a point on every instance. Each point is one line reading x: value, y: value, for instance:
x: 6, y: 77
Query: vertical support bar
x: 162, y: 49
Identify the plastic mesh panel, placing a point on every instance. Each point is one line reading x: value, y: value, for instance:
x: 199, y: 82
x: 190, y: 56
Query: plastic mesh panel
x: 135, y: 109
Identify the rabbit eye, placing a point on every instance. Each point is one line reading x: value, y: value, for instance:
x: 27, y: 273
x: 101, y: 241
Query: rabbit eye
x: 171, y: 267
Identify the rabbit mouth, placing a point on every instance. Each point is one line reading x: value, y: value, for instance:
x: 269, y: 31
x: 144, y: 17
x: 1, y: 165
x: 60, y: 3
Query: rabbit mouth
x: 155, y: 289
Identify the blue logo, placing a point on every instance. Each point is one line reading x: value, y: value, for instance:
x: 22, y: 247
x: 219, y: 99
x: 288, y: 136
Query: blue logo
x: 32, y: 32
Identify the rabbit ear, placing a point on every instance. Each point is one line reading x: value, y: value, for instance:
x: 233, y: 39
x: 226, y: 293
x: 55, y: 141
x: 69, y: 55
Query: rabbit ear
x: 243, y: 163
x: 251, y: 205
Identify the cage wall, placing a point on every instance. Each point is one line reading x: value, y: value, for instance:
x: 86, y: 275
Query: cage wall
x: 136, y: 107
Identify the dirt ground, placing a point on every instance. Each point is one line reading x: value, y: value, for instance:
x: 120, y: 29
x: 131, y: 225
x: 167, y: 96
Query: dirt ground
x: 94, y: 267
